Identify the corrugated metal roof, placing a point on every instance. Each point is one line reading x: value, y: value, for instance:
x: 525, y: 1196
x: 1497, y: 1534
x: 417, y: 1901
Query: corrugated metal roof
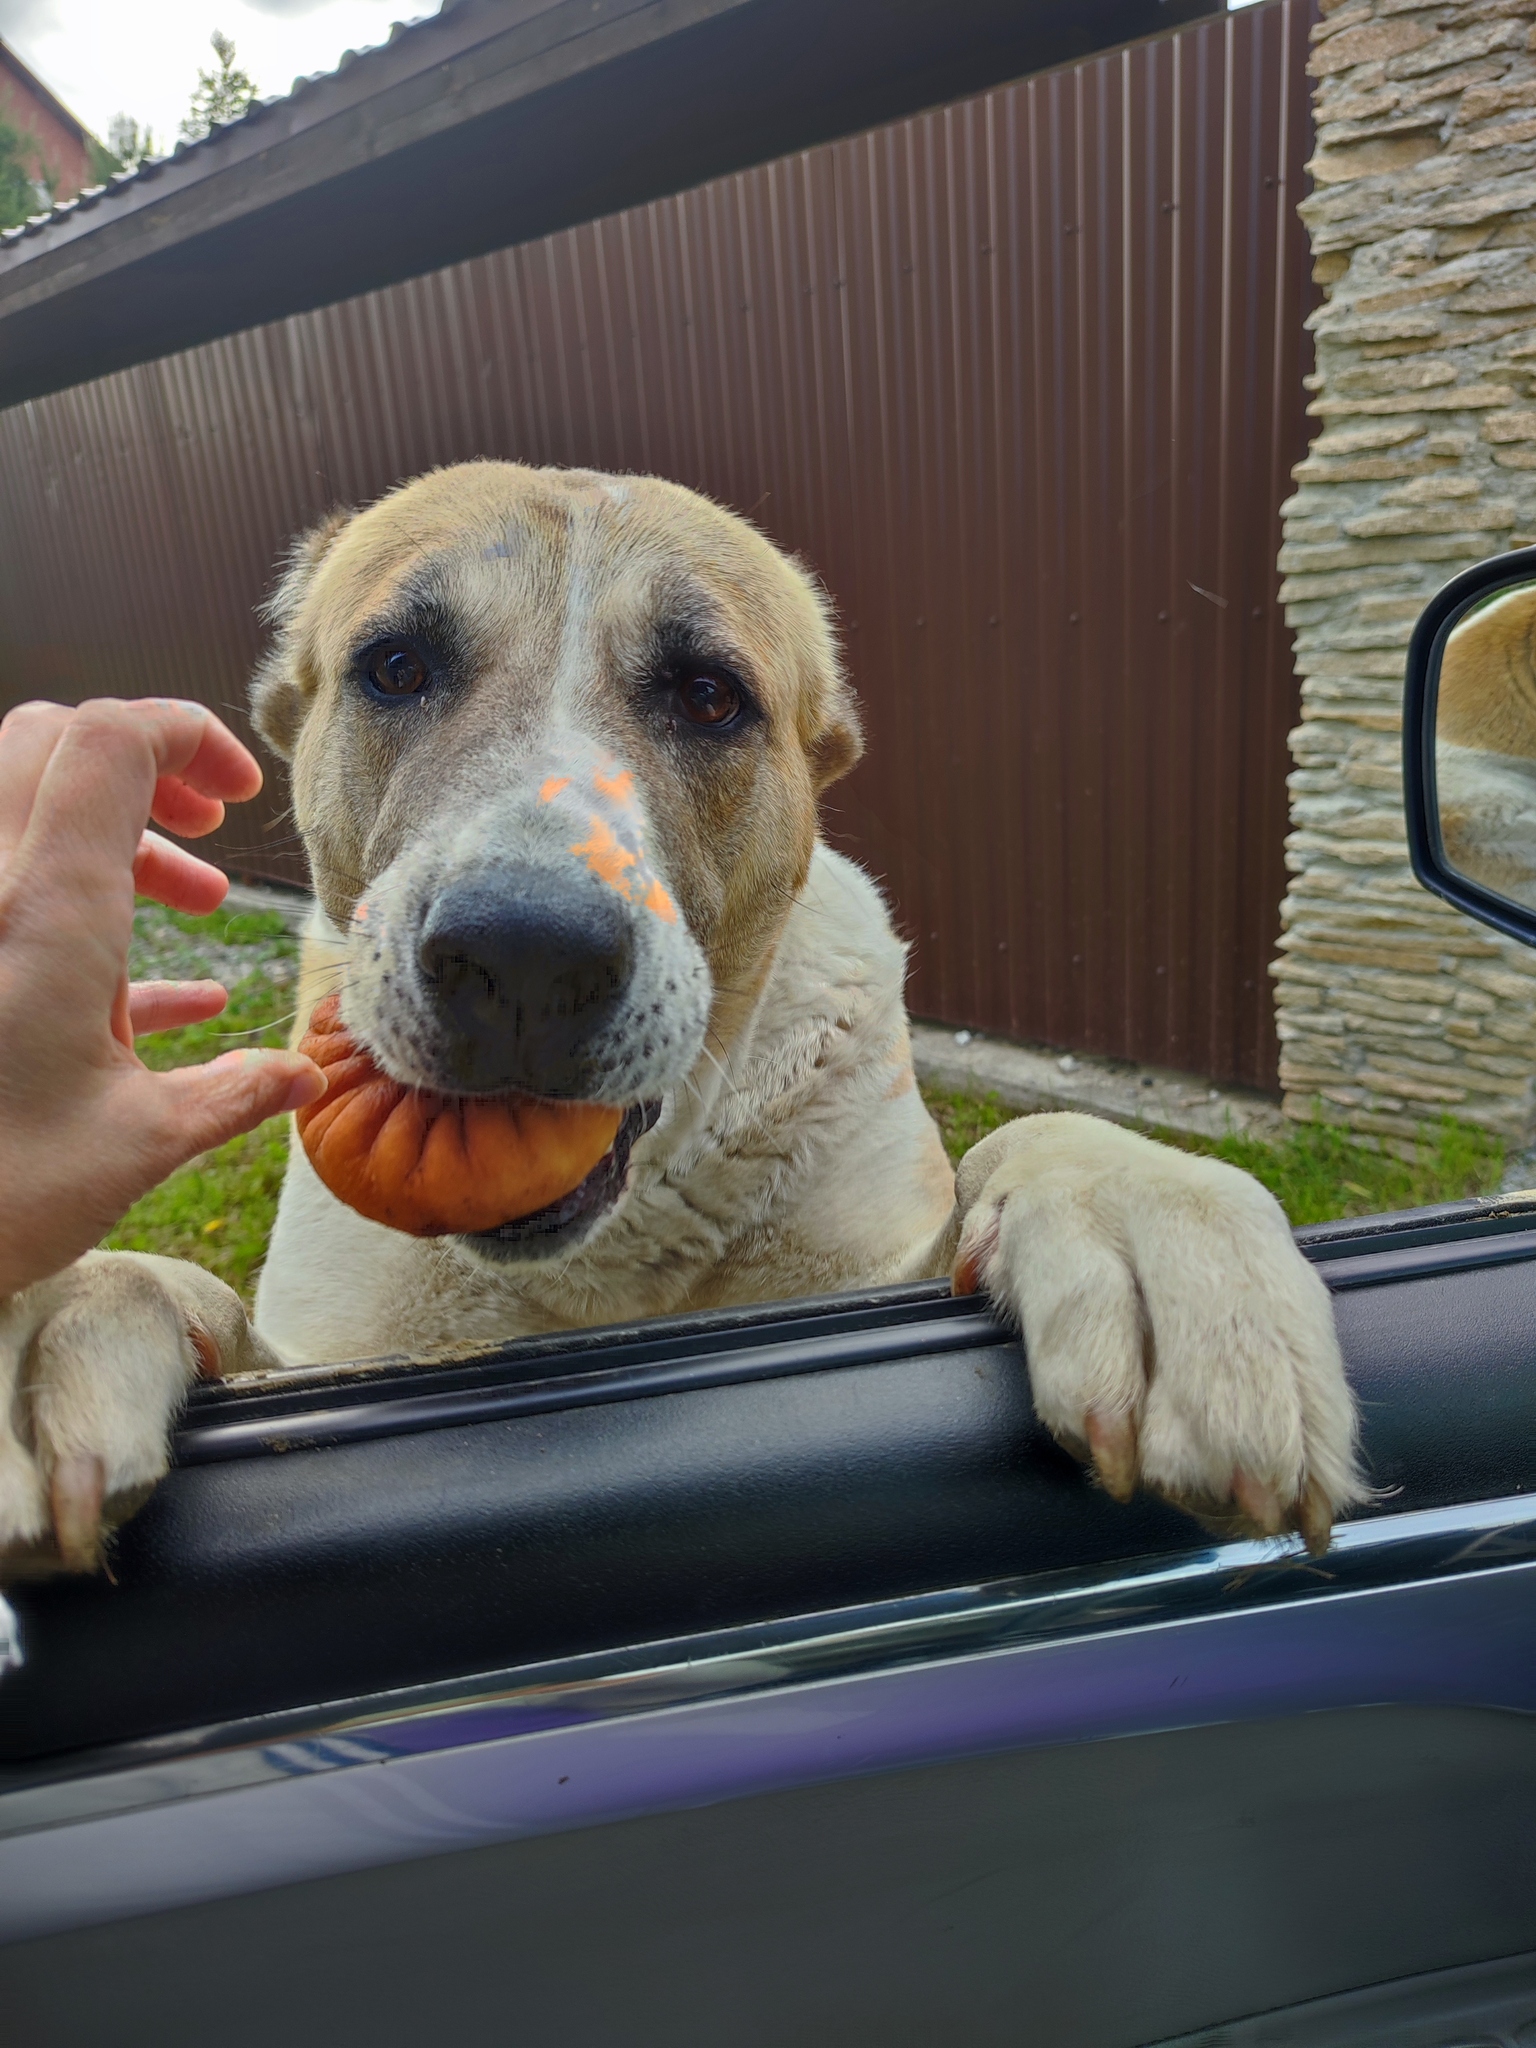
x: 122, y: 182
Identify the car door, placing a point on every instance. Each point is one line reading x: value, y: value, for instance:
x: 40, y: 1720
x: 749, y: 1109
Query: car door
x: 770, y: 1675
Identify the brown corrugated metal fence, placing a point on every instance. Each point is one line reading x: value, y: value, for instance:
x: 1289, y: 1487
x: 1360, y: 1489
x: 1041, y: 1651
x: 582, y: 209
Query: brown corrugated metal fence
x: 1020, y: 377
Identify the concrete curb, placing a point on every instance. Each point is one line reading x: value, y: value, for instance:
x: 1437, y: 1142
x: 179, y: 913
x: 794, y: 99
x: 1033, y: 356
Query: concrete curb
x: 1031, y: 1078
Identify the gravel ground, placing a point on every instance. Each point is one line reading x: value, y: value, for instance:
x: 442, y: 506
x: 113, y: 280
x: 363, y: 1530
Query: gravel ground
x: 227, y: 947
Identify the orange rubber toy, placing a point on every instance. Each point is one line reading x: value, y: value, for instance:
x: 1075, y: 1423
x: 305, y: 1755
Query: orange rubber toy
x: 432, y: 1164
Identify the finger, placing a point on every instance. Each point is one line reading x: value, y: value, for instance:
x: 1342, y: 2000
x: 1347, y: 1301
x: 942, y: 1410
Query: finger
x: 184, y: 810
x: 120, y: 1017
x: 200, y: 1107
x: 177, y: 878
x: 28, y: 736
x: 166, y: 1005
x: 95, y: 794
x: 197, y: 748
x: 200, y: 763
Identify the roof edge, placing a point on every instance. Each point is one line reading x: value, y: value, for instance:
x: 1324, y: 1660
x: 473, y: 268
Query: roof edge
x: 15, y: 62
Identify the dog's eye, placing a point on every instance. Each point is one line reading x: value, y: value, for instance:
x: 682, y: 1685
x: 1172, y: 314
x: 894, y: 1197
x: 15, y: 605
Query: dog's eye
x: 708, y: 699
x: 396, y: 670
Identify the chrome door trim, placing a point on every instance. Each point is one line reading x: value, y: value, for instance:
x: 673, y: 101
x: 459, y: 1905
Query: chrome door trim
x: 1437, y: 1607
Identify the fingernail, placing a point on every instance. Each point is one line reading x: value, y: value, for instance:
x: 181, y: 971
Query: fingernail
x: 306, y: 1083
x: 307, y: 1086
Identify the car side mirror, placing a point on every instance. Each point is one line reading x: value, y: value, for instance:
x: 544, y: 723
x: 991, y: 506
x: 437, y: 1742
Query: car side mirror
x: 1469, y: 744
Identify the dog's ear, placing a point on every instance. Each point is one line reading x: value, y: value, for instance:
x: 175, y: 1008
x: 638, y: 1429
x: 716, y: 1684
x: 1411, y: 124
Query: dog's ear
x: 837, y: 741
x: 839, y: 745
x: 278, y: 693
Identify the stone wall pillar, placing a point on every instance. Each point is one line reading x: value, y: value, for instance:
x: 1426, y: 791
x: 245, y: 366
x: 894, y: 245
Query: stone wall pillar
x: 1392, y: 1008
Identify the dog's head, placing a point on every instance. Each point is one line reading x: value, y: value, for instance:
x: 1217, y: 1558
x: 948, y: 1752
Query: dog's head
x: 556, y: 741
x: 1487, y: 695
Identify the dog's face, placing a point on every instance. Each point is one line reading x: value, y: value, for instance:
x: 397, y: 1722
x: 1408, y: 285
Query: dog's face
x: 556, y: 741
x: 1487, y: 695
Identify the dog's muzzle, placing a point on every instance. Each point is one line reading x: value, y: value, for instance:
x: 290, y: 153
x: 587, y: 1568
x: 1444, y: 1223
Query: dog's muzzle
x: 525, y: 970
x: 531, y: 947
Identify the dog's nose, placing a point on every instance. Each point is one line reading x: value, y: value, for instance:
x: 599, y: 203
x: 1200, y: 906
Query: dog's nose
x: 525, y: 967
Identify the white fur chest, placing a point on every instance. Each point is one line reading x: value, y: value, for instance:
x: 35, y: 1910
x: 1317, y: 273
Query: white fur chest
x: 741, y: 1192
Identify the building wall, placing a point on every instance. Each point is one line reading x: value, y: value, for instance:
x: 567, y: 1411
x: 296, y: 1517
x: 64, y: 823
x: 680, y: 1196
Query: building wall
x: 1392, y: 1008
x: 1020, y: 378
x: 60, y: 157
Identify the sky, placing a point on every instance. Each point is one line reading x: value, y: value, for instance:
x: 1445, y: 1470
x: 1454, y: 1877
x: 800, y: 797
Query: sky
x: 105, y: 57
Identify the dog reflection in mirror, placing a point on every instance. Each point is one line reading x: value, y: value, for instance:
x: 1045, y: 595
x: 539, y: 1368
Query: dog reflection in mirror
x: 1485, y: 745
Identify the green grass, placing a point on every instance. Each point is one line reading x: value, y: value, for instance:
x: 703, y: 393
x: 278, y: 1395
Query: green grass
x: 218, y: 1210
x: 1315, y: 1172
x: 229, y: 928
x: 257, y: 1014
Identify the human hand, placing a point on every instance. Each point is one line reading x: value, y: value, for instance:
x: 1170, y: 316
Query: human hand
x: 85, y: 1127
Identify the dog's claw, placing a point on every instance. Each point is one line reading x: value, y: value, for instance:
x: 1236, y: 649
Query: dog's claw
x: 1314, y: 1519
x: 210, y: 1366
x: 1112, y: 1440
x: 76, y: 1493
x: 971, y: 1265
x: 1260, y: 1503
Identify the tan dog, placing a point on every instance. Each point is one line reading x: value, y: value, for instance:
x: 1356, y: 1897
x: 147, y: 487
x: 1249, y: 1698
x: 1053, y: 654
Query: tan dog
x: 557, y: 741
x: 1485, y: 745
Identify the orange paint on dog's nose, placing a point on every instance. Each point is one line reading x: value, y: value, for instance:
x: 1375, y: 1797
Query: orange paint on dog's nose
x: 549, y: 790
x: 613, y: 862
x: 657, y: 899
x: 605, y: 856
x: 620, y: 788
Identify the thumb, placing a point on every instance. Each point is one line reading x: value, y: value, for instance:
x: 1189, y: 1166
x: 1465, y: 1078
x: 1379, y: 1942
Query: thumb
x: 204, y: 1106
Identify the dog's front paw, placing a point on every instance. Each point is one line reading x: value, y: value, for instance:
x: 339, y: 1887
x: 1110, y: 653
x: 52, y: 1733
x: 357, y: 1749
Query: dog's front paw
x: 1175, y: 1335
x: 94, y: 1366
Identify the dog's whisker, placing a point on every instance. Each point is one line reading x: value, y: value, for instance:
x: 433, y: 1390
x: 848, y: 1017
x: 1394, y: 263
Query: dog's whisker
x: 720, y: 1070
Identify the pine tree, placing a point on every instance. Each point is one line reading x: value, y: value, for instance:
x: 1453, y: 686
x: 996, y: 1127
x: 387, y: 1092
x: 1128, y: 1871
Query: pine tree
x: 128, y: 142
x: 20, y: 193
x: 222, y: 95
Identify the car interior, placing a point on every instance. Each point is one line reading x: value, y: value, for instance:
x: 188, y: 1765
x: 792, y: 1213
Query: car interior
x: 770, y: 1675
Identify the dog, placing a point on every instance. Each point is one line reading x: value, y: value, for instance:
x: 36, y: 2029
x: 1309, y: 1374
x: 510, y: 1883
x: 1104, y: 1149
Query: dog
x: 1485, y: 745
x: 557, y: 741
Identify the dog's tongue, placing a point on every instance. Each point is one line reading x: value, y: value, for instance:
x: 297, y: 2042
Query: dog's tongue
x: 438, y: 1165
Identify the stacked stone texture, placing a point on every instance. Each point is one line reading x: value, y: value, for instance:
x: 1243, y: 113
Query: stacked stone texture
x: 1392, y: 1008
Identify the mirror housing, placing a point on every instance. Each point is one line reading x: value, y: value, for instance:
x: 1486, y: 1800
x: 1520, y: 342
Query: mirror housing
x: 1474, y: 783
